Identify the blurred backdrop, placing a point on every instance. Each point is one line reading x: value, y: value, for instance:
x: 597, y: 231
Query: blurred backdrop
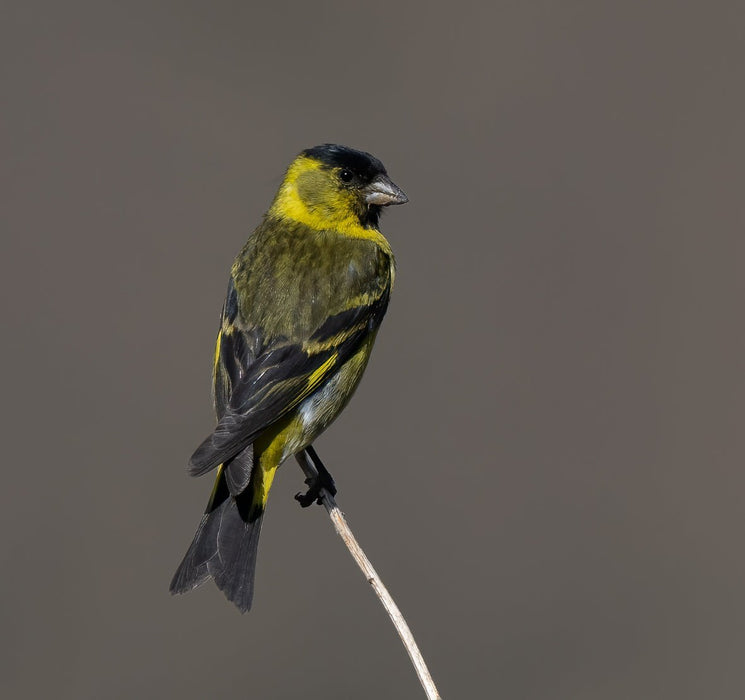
x: 545, y: 459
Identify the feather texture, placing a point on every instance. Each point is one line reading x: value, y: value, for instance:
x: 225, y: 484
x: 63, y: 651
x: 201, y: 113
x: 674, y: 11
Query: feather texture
x: 306, y: 296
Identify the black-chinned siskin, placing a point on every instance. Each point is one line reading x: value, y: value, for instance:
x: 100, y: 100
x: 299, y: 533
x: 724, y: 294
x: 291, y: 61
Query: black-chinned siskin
x: 306, y: 296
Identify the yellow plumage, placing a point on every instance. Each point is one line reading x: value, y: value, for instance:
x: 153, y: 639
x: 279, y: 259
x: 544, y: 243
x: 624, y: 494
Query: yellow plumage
x: 306, y: 297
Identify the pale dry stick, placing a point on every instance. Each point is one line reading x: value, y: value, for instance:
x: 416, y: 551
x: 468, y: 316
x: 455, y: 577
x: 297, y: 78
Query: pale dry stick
x: 343, y: 530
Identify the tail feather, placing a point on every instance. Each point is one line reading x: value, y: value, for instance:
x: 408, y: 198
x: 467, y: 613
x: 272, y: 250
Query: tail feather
x: 234, y: 568
x: 225, y: 547
x: 192, y: 571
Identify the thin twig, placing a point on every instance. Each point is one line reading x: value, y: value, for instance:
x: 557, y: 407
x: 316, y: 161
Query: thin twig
x: 343, y: 530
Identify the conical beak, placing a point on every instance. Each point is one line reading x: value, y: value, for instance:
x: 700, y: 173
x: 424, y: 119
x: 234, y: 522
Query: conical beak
x: 382, y: 191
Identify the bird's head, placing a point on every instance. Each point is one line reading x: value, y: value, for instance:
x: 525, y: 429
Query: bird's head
x: 335, y: 187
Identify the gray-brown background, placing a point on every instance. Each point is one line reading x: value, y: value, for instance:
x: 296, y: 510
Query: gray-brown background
x: 545, y: 459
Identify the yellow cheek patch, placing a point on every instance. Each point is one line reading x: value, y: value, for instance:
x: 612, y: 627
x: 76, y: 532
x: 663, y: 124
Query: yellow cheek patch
x: 308, y: 196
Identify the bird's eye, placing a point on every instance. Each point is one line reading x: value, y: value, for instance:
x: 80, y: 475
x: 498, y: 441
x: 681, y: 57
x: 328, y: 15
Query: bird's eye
x: 346, y: 175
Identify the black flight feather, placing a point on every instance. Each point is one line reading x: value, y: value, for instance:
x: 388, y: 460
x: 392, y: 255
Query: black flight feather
x: 272, y: 387
x: 238, y: 470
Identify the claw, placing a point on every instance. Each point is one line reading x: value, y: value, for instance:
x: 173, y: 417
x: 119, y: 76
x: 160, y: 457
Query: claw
x: 315, y: 486
x: 307, y: 499
x: 323, y: 481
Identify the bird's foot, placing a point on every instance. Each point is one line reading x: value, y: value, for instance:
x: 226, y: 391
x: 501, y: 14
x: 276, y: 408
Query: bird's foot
x: 323, y: 481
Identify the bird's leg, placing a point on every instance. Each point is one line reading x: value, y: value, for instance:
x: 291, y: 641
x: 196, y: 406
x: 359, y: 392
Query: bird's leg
x: 324, y: 480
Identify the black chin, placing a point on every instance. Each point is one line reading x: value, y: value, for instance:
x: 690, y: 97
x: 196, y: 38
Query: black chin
x: 371, y: 217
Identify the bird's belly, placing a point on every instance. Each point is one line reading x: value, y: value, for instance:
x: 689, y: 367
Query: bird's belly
x: 318, y: 411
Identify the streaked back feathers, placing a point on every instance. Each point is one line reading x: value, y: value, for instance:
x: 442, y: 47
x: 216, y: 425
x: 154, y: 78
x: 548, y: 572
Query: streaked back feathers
x: 290, y: 280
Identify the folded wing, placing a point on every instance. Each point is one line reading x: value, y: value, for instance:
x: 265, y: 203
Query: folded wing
x: 278, y: 380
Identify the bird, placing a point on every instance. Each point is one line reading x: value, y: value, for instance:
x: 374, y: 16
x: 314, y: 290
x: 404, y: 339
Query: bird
x: 305, y: 299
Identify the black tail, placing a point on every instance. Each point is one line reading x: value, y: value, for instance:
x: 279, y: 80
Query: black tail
x: 224, y: 547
